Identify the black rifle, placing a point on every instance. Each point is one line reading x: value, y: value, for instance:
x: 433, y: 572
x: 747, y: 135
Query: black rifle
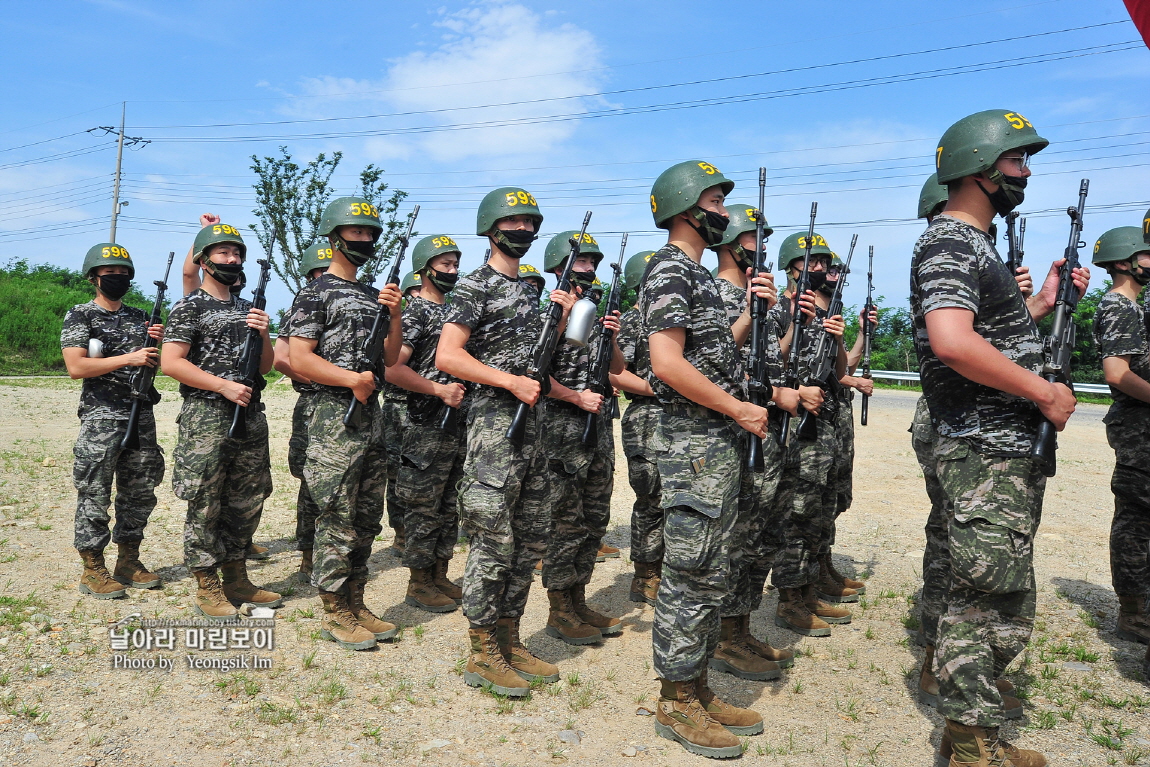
x: 601, y: 363
x: 759, y: 384
x: 822, y: 370
x: 1014, y: 252
x: 540, y: 365
x: 253, y: 349
x: 143, y: 376
x: 1058, y: 347
x: 868, y: 332
x: 791, y: 373
x: 380, y: 325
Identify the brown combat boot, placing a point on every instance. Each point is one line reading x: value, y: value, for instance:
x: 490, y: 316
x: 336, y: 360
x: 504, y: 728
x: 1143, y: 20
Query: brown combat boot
x: 487, y: 666
x: 365, y: 617
x: 826, y: 587
x: 422, y: 593
x: 828, y: 562
x: 239, y: 589
x: 680, y: 716
x: 734, y: 657
x: 607, y: 626
x: 305, y: 561
x: 967, y: 746
x: 606, y: 552
x: 740, y: 721
x: 210, y: 601
x: 519, y: 657
x: 928, y: 688
x: 399, y: 543
x: 1133, y: 622
x: 96, y: 580
x: 339, y: 624
x: 824, y: 610
x: 445, y: 585
x: 257, y: 552
x: 785, y: 658
x: 130, y: 571
x: 793, y: 614
x: 645, y: 583
x: 564, y: 623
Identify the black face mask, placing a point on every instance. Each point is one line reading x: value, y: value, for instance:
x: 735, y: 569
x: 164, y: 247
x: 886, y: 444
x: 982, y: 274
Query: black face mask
x: 1010, y: 192
x: 1140, y: 273
x: 711, y: 225
x: 225, y: 274
x: 115, y: 286
x: 583, y: 280
x: 513, y: 242
x: 358, y: 253
x: 236, y: 288
x: 817, y: 280
x: 744, y: 259
x: 445, y: 281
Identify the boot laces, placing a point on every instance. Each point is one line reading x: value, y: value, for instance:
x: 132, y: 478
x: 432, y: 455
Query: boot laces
x: 214, y: 589
x: 494, y: 656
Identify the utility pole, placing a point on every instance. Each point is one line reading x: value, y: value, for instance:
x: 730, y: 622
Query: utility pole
x: 121, y: 139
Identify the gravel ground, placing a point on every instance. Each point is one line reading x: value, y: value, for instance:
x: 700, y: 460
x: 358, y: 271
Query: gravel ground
x: 849, y: 699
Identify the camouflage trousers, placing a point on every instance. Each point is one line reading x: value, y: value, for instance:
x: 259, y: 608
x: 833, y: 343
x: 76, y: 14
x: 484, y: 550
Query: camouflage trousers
x: 305, y: 509
x: 99, y: 462
x: 582, y: 479
x: 503, y: 508
x: 808, y: 500
x: 844, y: 455
x: 699, y: 470
x: 394, y: 422
x: 428, y: 488
x: 638, y: 425
x: 936, y: 555
x: 997, y: 506
x: 1129, y: 435
x: 345, y: 471
x: 756, y: 538
x: 224, y: 481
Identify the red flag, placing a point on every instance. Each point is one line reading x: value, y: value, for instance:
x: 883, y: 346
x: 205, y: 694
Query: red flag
x: 1140, y: 15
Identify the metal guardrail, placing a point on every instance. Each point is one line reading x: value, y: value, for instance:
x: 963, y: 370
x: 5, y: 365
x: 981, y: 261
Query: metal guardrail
x: 912, y: 377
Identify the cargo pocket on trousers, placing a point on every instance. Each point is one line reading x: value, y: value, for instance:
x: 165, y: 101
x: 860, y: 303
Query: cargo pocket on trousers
x: 87, y: 464
x: 990, y: 558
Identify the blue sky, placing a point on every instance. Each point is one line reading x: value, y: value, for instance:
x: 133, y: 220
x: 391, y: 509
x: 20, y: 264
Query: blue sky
x: 842, y: 102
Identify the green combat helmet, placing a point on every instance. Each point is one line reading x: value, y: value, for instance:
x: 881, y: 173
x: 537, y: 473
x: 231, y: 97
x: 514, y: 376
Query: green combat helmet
x: 503, y: 202
x: 1146, y: 228
x: 932, y: 198
x: 742, y: 220
x: 678, y: 188
x: 974, y: 143
x: 1119, y: 244
x: 836, y: 261
x: 794, y: 248
x: 560, y: 246
x: 349, y: 211
x: 636, y: 265
x: 410, y: 280
x: 217, y: 234
x: 430, y: 247
x: 529, y: 272
x: 107, y: 254
x: 317, y: 256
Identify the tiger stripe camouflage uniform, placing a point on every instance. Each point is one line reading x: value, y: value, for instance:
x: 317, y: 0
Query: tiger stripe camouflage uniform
x: 306, y: 511
x: 844, y: 461
x: 104, y: 408
x: 1120, y: 330
x: 393, y: 401
x: 638, y: 426
x: 344, y: 467
x: 936, y: 555
x: 504, y: 493
x: 582, y: 478
x: 698, y: 458
x: 431, y: 459
x: 224, y: 480
x: 983, y: 447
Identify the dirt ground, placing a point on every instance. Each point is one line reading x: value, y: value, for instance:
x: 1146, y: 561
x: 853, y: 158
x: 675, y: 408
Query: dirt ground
x: 848, y: 700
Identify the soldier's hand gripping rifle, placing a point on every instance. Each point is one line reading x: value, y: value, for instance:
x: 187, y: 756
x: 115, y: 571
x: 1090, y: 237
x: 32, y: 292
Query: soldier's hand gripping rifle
x: 1058, y: 347
x: 142, y: 377
x: 600, y: 381
x: 540, y: 365
x: 868, y: 332
x: 1014, y: 252
x: 791, y: 372
x: 822, y: 369
x: 759, y: 384
x: 380, y: 325
x: 249, y: 363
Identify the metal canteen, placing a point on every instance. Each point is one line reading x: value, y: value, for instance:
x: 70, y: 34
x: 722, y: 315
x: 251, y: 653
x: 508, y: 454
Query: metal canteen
x: 95, y: 348
x: 581, y: 320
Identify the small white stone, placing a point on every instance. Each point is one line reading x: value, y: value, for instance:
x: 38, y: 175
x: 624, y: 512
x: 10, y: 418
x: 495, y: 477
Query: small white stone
x: 630, y: 751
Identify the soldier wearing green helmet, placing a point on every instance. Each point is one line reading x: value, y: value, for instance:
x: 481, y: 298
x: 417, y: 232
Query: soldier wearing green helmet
x: 980, y: 358
x: 192, y: 279
x: 581, y: 476
x: 488, y: 335
x: 932, y: 198
x: 102, y: 342
x: 1123, y: 343
x: 346, y: 465
x: 530, y: 274
x: 411, y: 285
x: 697, y: 376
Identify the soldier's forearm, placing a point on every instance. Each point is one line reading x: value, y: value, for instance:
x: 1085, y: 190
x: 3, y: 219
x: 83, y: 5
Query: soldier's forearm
x: 632, y: 384
x: 404, y: 377
x: 460, y: 364
x: 310, y: 364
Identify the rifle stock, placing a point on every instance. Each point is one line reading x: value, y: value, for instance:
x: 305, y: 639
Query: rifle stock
x: 142, y: 377
x: 249, y: 362
x: 601, y: 364
x: 791, y: 376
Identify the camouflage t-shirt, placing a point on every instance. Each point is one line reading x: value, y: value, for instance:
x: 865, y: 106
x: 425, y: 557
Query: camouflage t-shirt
x: 338, y: 315
x: 679, y: 293
x: 122, y: 331
x: 1120, y: 331
x: 215, y: 332
x: 503, y: 315
x: 955, y: 265
x: 285, y: 333
x: 735, y: 299
x: 633, y: 344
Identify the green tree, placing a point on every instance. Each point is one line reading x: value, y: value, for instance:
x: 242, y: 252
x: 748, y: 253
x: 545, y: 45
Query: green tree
x: 892, y: 343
